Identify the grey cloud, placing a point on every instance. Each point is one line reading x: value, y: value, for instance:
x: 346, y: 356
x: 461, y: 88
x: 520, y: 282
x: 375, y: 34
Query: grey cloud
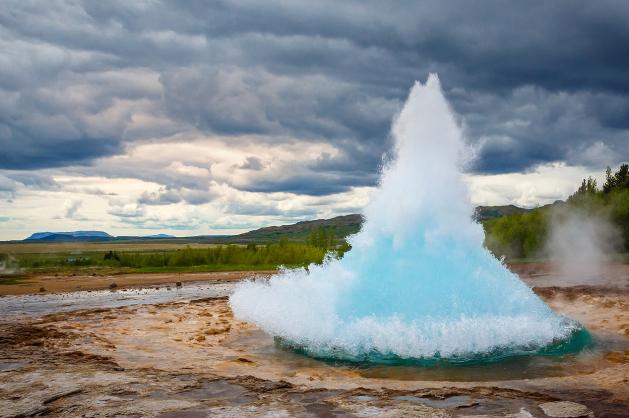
x: 252, y: 209
x: 238, y: 101
x: 324, y: 176
x: 305, y: 107
x: 169, y: 196
x: 158, y: 223
x: 252, y: 163
x: 42, y: 127
x: 531, y: 125
x: 7, y: 184
x: 313, y: 184
x: 96, y: 191
x: 533, y: 82
x: 71, y: 210
x: 54, y: 111
x: 163, y: 197
x: 127, y: 211
x: 27, y: 152
x: 266, y: 210
x: 156, y: 171
x: 34, y: 180
x: 197, y: 197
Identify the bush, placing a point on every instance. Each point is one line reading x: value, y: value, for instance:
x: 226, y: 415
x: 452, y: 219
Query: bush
x: 282, y: 253
x: 517, y: 236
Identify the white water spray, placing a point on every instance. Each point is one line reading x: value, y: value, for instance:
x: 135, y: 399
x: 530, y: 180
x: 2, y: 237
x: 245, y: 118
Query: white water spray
x: 418, y: 282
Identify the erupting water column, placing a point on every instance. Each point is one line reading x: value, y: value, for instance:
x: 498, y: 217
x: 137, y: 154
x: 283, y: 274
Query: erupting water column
x: 418, y: 282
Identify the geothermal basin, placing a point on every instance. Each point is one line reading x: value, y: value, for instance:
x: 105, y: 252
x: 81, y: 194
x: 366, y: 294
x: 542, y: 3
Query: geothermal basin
x: 190, y: 357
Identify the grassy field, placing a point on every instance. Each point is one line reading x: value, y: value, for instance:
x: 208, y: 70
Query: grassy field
x: 94, y: 247
x: 266, y: 249
x: 19, y: 260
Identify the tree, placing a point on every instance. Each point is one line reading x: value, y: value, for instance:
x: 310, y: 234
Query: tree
x: 322, y: 237
x: 617, y: 181
x: 587, y: 188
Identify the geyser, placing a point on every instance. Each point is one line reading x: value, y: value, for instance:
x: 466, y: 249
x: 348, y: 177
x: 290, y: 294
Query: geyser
x: 418, y: 282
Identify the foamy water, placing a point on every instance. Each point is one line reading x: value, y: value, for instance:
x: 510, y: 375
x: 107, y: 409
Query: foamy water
x: 418, y: 282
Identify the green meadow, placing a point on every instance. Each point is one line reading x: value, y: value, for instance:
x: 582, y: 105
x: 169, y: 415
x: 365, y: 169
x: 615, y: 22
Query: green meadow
x: 88, y: 258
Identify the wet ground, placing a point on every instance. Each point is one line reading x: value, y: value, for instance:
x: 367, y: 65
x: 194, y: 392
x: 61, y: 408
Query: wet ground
x: 34, y: 305
x: 45, y: 284
x: 180, y: 353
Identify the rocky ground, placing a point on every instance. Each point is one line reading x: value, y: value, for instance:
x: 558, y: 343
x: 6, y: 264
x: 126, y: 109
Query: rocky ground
x: 193, y: 359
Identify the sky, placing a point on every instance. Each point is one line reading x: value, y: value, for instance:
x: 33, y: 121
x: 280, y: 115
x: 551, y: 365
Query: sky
x: 218, y: 117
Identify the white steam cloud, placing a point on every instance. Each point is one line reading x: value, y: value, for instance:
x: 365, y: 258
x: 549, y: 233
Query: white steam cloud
x: 579, y: 244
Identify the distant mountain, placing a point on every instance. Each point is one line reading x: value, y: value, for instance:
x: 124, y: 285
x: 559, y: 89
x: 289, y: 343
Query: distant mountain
x: 69, y: 236
x: 343, y: 226
x: 484, y: 213
x: 88, y: 236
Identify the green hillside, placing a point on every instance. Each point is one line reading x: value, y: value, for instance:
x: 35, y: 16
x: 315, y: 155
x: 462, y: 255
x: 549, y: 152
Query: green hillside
x: 342, y: 226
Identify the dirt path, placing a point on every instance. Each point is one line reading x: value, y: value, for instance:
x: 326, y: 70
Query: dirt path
x: 58, y: 284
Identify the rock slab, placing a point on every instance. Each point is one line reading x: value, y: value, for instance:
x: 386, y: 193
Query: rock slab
x: 566, y: 409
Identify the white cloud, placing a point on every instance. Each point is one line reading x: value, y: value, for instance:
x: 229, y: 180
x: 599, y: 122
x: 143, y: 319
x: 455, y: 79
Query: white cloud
x: 545, y: 184
x: 198, y: 187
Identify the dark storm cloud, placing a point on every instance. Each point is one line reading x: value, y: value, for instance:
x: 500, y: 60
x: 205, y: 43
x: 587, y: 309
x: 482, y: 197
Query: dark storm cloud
x: 313, y: 183
x: 26, y: 152
x: 533, y: 82
x: 531, y: 125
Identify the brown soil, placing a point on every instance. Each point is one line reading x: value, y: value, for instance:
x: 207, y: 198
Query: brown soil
x: 61, y: 284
